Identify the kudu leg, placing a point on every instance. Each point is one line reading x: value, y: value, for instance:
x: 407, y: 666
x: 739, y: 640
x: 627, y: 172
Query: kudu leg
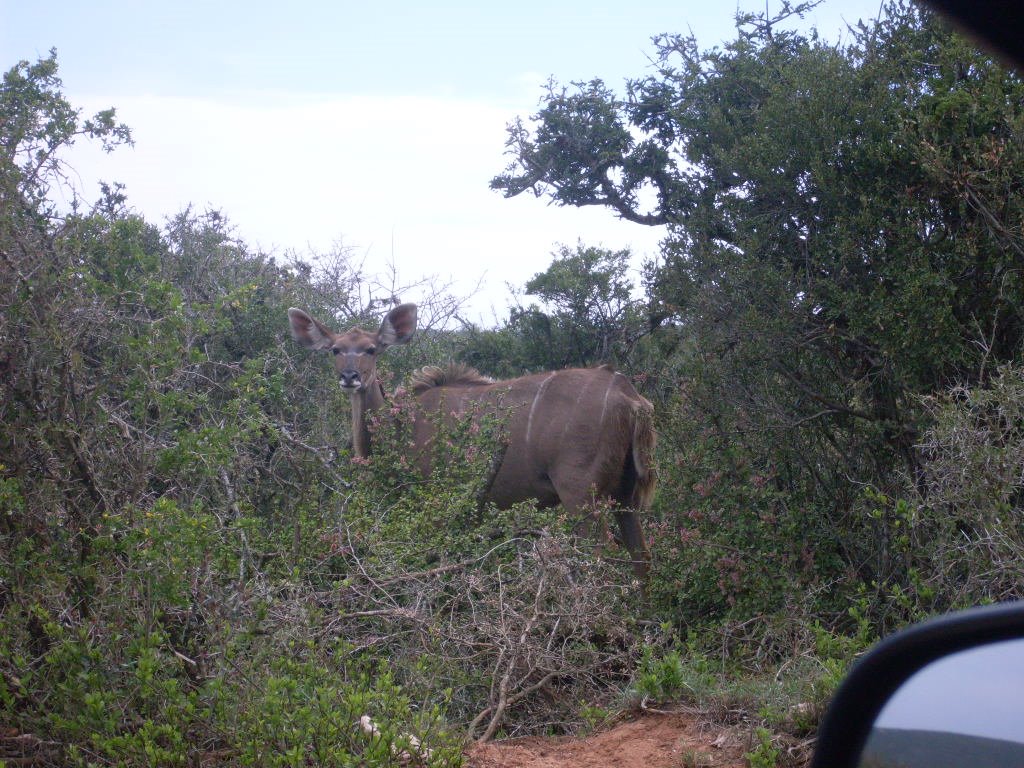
x: 579, y: 505
x: 591, y: 525
x: 633, y: 539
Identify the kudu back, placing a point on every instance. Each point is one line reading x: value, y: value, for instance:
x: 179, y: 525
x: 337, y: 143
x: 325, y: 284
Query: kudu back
x: 577, y: 436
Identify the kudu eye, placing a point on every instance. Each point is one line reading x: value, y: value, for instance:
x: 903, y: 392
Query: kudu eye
x: 335, y: 351
x: 371, y: 350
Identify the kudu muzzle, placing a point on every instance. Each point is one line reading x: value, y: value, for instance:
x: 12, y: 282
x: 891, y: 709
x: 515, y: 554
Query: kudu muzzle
x: 350, y: 380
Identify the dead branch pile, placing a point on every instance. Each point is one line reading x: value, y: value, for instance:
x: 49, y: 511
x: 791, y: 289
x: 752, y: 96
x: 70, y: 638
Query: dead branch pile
x: 519, y: 636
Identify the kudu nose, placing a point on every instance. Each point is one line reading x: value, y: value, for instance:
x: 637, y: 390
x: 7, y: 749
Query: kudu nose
x: 349, y: 378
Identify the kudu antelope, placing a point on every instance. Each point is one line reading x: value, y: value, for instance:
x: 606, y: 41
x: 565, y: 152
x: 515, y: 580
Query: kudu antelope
x: 575, y: 436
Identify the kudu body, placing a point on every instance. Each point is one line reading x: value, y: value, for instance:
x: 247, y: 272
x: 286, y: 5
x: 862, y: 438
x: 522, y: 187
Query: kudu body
x: 576, y: 436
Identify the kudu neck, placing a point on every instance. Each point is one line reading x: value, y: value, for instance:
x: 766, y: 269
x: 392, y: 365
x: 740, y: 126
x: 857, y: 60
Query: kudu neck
x: 365, y: 402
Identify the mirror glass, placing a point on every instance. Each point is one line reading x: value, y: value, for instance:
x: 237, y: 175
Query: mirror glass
x: 964, y: 710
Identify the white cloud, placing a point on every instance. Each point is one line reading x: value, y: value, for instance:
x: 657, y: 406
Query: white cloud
x: 396, y: 177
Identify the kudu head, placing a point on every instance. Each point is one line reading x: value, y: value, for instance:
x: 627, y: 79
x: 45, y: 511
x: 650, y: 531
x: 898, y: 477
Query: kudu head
x: 355, y: 351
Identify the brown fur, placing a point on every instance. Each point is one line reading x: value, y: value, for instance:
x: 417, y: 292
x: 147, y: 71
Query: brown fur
x: 577, y: 436
x: 431, y: 376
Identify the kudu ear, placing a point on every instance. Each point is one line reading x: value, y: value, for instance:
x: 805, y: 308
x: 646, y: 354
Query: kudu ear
x: 398, y: 326
x: 309, y: 332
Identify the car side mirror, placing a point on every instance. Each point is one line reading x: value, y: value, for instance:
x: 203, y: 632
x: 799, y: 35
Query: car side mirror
x: 966, y: 709
x: 948, y: 692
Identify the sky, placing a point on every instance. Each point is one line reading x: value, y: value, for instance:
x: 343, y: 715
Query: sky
x: 370, y: 126
x: 977, y: 692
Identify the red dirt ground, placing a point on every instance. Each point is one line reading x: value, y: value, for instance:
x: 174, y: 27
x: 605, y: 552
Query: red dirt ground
x: 670, y: 740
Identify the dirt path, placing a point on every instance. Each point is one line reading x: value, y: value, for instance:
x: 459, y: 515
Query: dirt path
x: 653, y: 741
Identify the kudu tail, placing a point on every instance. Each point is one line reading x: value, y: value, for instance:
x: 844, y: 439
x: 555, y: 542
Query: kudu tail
x: 644, y: 440
x: 637, y: 489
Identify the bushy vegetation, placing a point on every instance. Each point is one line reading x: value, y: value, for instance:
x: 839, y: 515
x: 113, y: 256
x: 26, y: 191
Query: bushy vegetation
x: 193, y: 570
x: 191, y: 567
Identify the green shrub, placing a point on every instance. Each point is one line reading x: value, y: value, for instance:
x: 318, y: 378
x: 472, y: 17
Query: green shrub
x: 765, y: 754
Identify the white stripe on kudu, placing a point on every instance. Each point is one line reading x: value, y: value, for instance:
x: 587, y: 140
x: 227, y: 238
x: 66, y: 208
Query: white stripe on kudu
x: 533, y: 405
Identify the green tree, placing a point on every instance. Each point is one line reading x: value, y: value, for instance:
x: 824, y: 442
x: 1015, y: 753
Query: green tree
x: 36, y: 124
x: 587, y: 315
x: 591, y: 299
